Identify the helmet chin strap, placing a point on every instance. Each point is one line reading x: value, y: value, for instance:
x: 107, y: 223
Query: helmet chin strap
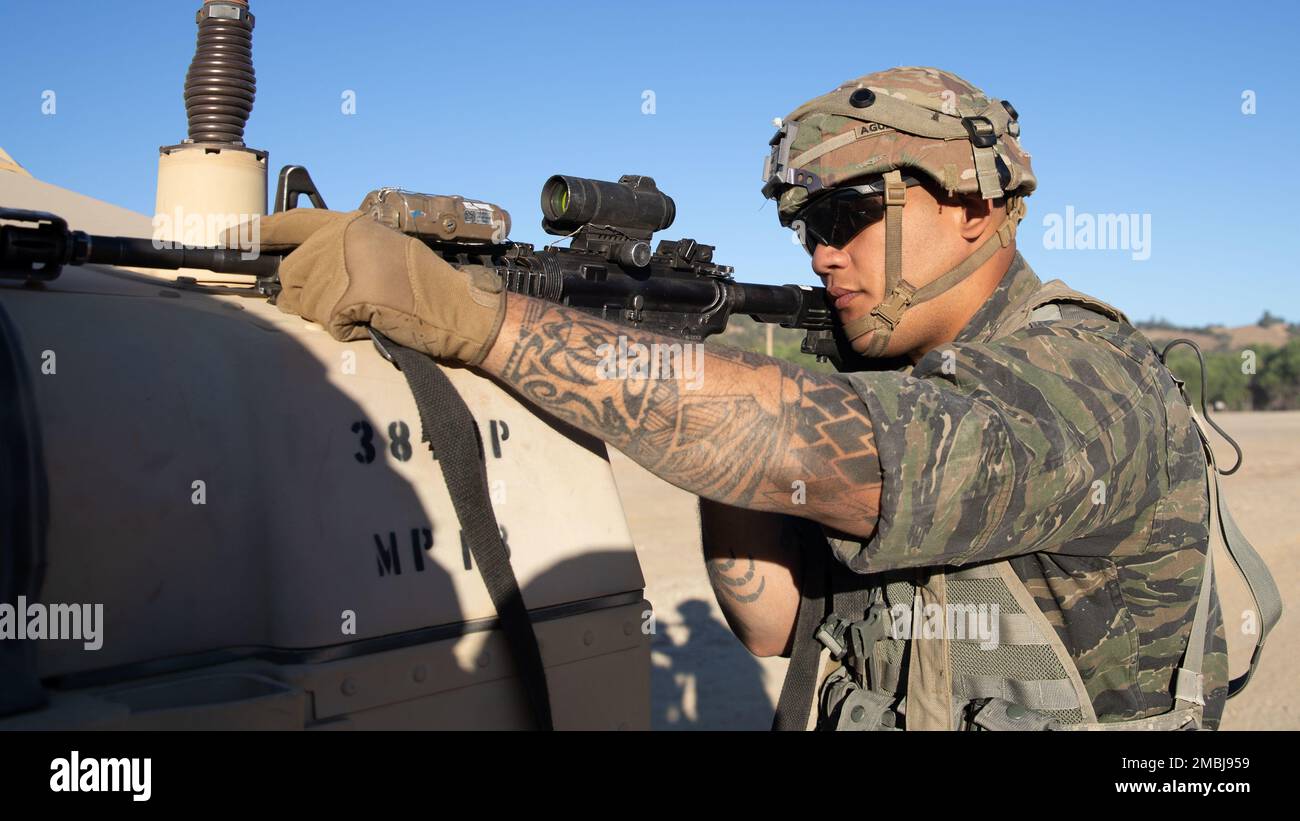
x: 901, y: 294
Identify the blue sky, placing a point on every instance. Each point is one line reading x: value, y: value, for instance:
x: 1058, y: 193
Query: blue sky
x: 1126, y: 107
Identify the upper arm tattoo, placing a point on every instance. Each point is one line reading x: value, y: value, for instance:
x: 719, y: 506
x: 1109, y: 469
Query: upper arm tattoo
x: 736, y: 583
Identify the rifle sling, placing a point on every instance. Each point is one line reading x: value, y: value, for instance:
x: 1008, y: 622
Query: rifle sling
x: 798, y: 690
x: 449, y: 428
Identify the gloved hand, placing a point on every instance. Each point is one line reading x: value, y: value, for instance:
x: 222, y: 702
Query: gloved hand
x: 349, y: 271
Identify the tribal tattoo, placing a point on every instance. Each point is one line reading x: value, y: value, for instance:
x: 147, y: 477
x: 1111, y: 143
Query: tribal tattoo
x: 754, y: 432
x: 736, y: 584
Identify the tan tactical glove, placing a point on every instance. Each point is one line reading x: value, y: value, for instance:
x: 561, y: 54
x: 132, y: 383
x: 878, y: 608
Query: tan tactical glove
x: 350, y: 271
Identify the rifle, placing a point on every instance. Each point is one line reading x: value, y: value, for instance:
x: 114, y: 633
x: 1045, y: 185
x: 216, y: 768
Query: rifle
x: 607, y: 270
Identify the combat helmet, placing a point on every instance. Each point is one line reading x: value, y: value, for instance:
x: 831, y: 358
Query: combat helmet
x: 914, y: 120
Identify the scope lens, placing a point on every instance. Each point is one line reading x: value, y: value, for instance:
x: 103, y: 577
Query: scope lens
x: 559, y: 198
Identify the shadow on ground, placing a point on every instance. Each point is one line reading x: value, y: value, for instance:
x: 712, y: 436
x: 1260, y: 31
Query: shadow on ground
x: 703, y: 678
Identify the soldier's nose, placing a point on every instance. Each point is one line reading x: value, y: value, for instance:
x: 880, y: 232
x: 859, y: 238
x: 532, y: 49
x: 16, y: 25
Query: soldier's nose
x: 826, y: 260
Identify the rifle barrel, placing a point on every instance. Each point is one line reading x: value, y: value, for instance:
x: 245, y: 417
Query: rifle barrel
x: 143, y: 253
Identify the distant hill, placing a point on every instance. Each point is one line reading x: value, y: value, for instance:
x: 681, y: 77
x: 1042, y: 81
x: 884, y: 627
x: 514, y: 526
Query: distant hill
x: 1249, y: 367
x: 1220, y: 338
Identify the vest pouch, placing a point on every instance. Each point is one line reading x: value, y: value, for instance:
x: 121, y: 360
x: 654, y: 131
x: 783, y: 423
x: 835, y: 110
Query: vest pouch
x: 846, y: 706
x: 1000, y: 714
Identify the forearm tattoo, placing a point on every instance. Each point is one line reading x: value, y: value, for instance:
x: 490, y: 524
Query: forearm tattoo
x: 751, y: 431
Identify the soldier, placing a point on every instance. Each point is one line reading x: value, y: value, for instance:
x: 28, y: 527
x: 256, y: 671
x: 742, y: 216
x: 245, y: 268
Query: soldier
x: 1017, y: 514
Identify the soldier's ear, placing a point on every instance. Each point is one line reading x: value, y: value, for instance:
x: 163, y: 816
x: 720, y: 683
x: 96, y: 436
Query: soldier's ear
x: 975, y: 216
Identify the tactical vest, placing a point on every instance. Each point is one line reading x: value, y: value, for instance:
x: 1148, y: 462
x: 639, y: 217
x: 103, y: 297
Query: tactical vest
x: 850, y: 654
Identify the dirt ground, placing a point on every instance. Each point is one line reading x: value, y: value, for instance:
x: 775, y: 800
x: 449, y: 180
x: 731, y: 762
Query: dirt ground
x: 704, y: 679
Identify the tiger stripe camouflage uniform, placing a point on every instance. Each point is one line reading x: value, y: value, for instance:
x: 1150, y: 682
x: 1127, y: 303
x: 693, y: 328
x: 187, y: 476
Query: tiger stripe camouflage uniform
x: 1067, y: 448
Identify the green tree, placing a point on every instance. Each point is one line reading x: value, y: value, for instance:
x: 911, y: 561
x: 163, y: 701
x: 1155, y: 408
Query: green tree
x: 1277, y: 384
x: 1223, y: 372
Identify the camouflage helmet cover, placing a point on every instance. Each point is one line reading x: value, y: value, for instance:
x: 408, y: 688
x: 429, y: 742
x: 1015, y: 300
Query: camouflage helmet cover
x: 916, y: 118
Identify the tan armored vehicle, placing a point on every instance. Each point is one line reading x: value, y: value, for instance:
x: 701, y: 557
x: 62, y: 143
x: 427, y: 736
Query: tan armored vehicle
x: 216, y: 516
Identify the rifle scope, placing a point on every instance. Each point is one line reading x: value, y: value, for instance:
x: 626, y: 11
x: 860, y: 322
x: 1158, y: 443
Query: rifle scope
x: 632, y: 204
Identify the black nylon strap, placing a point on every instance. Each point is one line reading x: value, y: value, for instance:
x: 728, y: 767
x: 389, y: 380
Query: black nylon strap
x: 850, y: 597
x: 454, y: 438
x: 800, y: 685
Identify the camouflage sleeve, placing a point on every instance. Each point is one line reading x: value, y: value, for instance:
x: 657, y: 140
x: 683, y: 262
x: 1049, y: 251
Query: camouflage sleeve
x: 1049, y: 440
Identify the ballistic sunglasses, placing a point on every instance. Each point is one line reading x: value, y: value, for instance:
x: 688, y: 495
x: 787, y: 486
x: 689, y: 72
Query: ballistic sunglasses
x: 838, y: 215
